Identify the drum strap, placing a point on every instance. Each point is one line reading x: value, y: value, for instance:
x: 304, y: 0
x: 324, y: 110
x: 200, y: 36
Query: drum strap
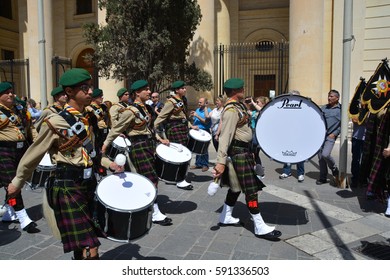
x: 15, y: 118
x: 79, y: 130
x: 241, y: 111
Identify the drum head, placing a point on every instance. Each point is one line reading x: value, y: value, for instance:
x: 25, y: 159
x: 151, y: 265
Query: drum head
x: 46, y: 161
x: 175, y: 153
x: 126, y: 192
x: 121, y: 142
x: 291, y: 129
x: 200, y: 135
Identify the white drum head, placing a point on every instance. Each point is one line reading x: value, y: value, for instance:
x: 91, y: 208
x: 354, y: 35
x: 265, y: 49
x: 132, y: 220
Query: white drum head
x: 290, y: 129
x: 121, y: 142
x: 175, y: 153
x: 200, y: 135
x: 126, y: 191
x: 46, y: 161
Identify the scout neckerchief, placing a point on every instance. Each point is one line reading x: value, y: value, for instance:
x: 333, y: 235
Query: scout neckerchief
x: 79, y: 126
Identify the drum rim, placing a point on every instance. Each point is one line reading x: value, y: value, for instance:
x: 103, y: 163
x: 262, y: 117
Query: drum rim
x: 298, y: 96
x: 173, y: 161
x: 208, y: 133
x: 123, y: 210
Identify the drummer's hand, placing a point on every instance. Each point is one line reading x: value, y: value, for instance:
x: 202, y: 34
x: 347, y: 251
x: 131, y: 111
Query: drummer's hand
x: 218, y: 170
x: 332, y: 136
x: 115, y: 168
x: 104, y: 148
x: 165, y: 141
x: 12, y: 190
x: 195, y: 127
x: 386, y: 152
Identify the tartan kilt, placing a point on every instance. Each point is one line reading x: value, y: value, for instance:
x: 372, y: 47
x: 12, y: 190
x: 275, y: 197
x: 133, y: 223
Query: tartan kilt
x: 142, y: 157
x: 73, y: 204
x: 9, y: 160
x: 243, y: 162
x: 177, y: 133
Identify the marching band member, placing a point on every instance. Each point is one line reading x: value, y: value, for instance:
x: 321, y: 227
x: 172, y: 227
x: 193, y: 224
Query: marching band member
x: 15, y: 135
x: 234, y: 142
x: 135, y: 122
x: 60, y: 99
x: 174, y: 117
x: 68, y: 137
x: 124, y: 98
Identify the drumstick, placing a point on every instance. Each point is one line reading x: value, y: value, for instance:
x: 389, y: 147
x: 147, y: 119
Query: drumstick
x: 178, y: 147
x: 213, y: 187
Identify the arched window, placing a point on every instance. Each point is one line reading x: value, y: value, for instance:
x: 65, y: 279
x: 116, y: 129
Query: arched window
x: 264, y: 46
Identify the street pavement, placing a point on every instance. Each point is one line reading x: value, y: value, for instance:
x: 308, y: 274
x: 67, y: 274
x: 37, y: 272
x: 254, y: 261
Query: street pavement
x: 318, y: 223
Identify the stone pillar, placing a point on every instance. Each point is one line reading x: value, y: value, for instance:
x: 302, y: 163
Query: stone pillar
x: 48, y: 12
x: 109, y: 86
x: 310, y: 48
x: 202, y: 46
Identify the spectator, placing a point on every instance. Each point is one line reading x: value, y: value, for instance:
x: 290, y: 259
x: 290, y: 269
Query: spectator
x: 215, y: 116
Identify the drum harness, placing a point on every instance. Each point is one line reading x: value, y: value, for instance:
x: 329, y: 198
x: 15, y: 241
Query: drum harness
x: 17, y: 119
x: 177, y: 108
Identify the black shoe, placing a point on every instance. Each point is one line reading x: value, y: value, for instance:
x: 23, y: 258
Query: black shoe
x: 273, y: 235
x: 187, y: 188
x: 335, y: 172
x: 166, y: 222
x: 320, y: 182
x: 31, y: 228
x: 230, y: 225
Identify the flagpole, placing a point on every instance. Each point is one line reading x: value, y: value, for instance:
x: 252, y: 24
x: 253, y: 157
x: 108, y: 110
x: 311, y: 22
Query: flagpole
x: 347, y: 42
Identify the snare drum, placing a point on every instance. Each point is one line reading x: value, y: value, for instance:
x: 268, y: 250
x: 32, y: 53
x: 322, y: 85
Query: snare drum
x: 44, y: 170
x: 125, y: 205
x: 199, y: 141
x: 119, y: 146
x: 172, y: 162
x: 291, y: 128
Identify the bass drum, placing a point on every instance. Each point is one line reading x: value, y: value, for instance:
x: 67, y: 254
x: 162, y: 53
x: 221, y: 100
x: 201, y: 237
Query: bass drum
x: 291, y: 128
x: 172, y: 162
x: 125, y: 205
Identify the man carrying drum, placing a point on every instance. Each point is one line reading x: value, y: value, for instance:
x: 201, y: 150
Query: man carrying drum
x: 175, y: 119
x: 135, y: 122
x: 234, y: 142
x: 60, y: 99
x: 68, y: 137
x: 124, y: 98
x: 15, y: 133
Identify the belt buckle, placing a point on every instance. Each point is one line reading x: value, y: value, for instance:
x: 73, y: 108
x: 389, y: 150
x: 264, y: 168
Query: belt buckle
x: 87, y: 173
x: 19, y: 145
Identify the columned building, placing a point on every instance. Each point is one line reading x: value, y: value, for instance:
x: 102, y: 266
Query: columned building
x: 275, y: 45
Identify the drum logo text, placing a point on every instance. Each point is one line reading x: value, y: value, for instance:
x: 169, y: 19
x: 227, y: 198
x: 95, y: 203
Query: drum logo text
x: 287, y: 105
x: 289, y: 153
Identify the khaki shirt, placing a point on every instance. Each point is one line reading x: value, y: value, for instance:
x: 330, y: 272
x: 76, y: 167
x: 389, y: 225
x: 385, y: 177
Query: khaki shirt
x: 11, y: 130
x: 230, y: 118
x: 45, y: 113
x: 168, y: 113
x: 129, y: 118
x: 115, y: 111
x: 49, y: 141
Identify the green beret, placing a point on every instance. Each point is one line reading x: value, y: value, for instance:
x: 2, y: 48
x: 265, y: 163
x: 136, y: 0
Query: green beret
x: 138, y: 85
x: 121, y: 92
x: 234, y: 83
x: 178, y: 84
x: 57, y: 90
x: 97, y: 92
x: 20, y: 101
x: 5, y: 86
x: 74, y: 77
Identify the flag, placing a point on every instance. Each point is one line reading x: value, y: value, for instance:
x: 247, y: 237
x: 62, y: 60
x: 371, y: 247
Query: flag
x: 356, y: 110
x: 376, y: 95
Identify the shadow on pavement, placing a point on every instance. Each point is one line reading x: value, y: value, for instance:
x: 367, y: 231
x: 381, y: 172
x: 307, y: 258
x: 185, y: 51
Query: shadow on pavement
x: 126, y: 252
